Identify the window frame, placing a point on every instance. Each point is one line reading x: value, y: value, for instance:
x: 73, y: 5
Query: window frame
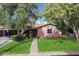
x: 49, y: 31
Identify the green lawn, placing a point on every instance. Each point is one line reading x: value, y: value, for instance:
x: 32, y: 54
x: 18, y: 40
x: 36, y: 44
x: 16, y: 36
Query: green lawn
x: 58, y: 44
x: 16, y: 47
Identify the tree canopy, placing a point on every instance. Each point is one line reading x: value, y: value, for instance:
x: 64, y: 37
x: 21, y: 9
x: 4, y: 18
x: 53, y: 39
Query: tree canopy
x: 67, y: 14
x: 22, y: 12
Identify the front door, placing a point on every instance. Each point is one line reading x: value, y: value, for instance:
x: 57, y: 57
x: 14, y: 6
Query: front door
x: 34, y: 32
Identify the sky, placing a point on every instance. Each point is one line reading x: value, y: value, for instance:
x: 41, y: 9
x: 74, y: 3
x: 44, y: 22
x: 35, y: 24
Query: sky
x: 41, y: 7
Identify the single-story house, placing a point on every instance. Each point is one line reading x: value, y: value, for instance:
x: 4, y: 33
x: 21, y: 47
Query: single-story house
x: 39, y: 30
x: 45, y: 30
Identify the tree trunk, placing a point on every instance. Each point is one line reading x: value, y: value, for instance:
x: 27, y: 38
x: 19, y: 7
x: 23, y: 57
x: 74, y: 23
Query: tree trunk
x: 78, y: 36
x: 76, y: 33
x: 22, y: 31
x: 18, y: 33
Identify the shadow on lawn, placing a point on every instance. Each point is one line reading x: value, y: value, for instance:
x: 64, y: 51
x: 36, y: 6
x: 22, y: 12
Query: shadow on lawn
x: 15, y: 45
x: 19, y: 38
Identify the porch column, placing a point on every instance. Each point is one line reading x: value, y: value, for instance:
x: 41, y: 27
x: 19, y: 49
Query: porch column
x: 4, y: 32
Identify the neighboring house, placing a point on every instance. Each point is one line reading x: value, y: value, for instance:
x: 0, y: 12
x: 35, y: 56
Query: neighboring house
x: 2, y: 31
x: 45, y: 30
x: 6, y: 31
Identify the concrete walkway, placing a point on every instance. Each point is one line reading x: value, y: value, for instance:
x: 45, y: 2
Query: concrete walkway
x: 34, y: 48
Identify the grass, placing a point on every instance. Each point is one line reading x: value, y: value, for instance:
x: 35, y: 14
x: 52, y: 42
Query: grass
x: 16, y: 47
x: 58, y: 44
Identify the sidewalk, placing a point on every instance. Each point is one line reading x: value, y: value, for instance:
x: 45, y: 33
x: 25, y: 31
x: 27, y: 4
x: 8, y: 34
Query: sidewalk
x: 60, y: 53
x: 14, y: 54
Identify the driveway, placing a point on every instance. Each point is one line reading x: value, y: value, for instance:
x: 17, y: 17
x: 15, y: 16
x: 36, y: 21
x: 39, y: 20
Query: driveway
x: 4, y: 40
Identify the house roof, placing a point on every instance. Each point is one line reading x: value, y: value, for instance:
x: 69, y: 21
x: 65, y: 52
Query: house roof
x: 1, y: 27
x: 40, y: 25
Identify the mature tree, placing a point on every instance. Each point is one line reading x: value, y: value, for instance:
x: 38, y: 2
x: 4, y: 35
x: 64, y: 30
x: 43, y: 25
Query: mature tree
x: 7, y: 11
x: 55, y: 14
x: 24, y: 13
x: 67, y: 14
x: 2, y: 15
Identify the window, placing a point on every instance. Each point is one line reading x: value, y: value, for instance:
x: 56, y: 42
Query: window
x: 49, y: 30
